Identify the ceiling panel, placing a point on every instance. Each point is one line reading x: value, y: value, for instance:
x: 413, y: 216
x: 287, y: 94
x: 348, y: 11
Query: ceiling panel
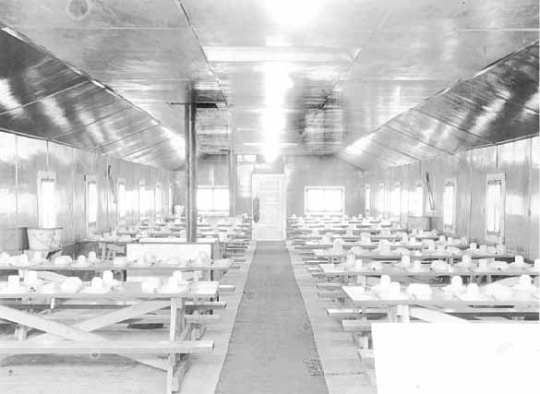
x: 353, y: 66
x: 500, y: 103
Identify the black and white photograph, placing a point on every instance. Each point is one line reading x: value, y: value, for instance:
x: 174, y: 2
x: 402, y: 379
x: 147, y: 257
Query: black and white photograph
x: 269, y: 197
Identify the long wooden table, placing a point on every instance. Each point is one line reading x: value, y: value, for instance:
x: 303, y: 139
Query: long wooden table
x: 333, y: 270
x: 399, y: 309
x: 213, y: 271
x: 80, y: 338
x: 424, y: 255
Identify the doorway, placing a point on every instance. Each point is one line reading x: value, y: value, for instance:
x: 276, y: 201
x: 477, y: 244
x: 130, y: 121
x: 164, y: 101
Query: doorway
x: 269, y: 189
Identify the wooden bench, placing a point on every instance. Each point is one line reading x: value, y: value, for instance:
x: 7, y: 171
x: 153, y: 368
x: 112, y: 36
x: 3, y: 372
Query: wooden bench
x: 329, y: 286
x: 205, y: 305
x: 202, y: 319
x: 357, y: 325
x: 107, y: 347
x: 351, y: 313
x: 332, y: 294
x: 227, y: 289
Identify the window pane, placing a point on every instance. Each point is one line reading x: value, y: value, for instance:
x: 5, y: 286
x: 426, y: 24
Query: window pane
x: 315, y: 200
x: 121, y: 202
x: 171, y: 203
x: 92, y: 208
x: 368, y: 198
x: 47, y: 208
x: 395, y: 201
x: 221, y: 200
x: 493, y: 206
x: 333, y: 200
x: 157, y: 199
x: 204, y: 199
x: 448, y: 205
x: 381, y: 200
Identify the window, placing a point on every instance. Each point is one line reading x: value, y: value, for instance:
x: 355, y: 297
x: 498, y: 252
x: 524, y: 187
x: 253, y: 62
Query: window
x: 495, y: 195
x: 121, y: 199
x: 158, y: 200
x: 91, y: 204
x: 171, y: 201
x: 395, y: 201
x: 213, y: 200
x: 46, y: 199
x: 367, y: 198
x: 382, y: 200
x: 322, y: 200
x: 449, y: 205
x: 142, y: 199
x: 417, y: 200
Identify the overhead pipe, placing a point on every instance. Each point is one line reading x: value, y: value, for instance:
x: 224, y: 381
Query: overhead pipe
x: 232, y: 183
x: 191, y: 167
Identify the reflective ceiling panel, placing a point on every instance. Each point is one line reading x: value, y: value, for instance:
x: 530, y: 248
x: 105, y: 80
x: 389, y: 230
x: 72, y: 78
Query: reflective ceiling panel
x: 500, y: 103
x: 312, y: 76
x: 42, y: 97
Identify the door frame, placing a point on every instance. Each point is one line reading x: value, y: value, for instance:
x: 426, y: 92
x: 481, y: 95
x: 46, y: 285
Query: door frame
x: 283, y: 193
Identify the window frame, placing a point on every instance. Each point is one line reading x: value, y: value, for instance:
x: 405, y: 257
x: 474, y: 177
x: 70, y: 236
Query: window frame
x: 121, y: 199
x: 46, y: 176
x: 367, y: 199
x: 381, y: 206
x: 393, y: 204
x: 417, y: 206
x: 91, y: 226
x: 158, y: 203
x: 450, y: 228
x: 141, y: 194
x: 213, y: 211
x: 496, y: 236
x: 324, y: 211
x: 171, y: 199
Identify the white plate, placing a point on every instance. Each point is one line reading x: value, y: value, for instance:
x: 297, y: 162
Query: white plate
x: 14, y: 290
x: 387, y: 296
x: 79, y: 265
x: 418, y: 270
x: 467, y: 297
x: 46, y: 290
x: 95, y: 290
x: 171, y: 290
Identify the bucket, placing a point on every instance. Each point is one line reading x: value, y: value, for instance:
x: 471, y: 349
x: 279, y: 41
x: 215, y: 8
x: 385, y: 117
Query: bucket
x: 44, y: 238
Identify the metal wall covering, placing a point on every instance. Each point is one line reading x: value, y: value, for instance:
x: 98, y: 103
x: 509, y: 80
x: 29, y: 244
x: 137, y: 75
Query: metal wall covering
x: 8, y: 199
x: 22, y: 158
x: 534, y: 200
x: 61, y: 163
x: 518, y: 160
x: 514, y: 160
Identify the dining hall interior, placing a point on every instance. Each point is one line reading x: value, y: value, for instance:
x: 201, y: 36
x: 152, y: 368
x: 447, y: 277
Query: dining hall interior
x: 269, y: 196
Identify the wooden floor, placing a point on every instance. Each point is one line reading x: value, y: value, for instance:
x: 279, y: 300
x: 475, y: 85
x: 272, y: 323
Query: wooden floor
x: 343, y: 370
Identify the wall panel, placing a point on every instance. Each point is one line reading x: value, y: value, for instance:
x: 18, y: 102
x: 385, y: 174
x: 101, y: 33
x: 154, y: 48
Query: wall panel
x: 31, y: 158
x: 515, y: 161
x: 9, y: 236
x: 21, y: 159
x: 518, y: 160
x: 60, y: 162
x: 534, y: 199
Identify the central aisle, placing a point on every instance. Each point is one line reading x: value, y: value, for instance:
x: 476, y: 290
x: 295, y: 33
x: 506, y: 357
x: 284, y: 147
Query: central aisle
x: 272, y: 349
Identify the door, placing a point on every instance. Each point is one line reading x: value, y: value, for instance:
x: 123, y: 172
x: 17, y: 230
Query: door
x: 269, y: 189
